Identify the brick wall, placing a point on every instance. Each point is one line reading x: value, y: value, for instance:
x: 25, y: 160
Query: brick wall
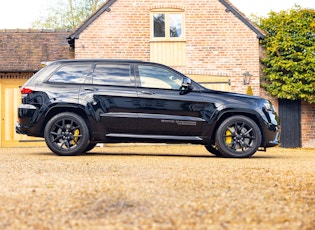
x: 23, y: 50
x: 308, y: 125
x: 217, y: 42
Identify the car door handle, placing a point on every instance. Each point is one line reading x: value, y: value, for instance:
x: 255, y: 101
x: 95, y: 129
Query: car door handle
x: 89, y: 89
x: 147, y: 92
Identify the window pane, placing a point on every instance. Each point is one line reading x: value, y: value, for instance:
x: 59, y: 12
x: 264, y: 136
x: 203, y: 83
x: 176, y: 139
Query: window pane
x: 159, y: 25
x: 175, y: 25
x: 106, y: 74
x: 71, y: 74
x: 156, y: 77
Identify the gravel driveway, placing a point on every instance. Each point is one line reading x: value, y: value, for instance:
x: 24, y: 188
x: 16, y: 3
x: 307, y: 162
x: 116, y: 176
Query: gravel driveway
x: 156, y: 187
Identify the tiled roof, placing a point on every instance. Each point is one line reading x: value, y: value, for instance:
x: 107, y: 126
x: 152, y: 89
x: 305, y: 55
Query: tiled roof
x: 24, y: 49
x: 35, y: 31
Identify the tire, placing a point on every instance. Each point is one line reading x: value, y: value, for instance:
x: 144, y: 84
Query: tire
x: 213, y: 149
x: 67, y: 134
x: 89, y: 147
x: 238, y: 137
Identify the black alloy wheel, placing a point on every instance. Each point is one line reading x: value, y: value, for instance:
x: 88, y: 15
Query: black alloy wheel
x: 213, y: 149
x: 238, y: 136
x: 89, y: 147
x: 66, y: 134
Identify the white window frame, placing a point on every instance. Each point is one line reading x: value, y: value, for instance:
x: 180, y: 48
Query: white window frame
x: 167, y: 13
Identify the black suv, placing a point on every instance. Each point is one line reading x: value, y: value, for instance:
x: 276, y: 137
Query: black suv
x: 75, y: 104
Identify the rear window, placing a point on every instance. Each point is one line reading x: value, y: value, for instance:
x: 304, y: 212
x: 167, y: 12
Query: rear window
x: 41, y: 75
x: 75, y: 73
x: 112, y: 74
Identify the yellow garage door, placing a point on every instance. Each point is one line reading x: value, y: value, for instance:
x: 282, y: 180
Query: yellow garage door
x: 10, y: 100
x: 222, y: 83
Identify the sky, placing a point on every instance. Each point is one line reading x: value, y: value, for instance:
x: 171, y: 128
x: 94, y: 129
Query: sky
x: 21, y: 13
x: 263, y: 7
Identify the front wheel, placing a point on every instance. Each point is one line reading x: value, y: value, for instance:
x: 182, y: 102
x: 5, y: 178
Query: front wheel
x: 90, y: 147
x: 67, y: 134
x: 213, y: 149
x: 238, y: 136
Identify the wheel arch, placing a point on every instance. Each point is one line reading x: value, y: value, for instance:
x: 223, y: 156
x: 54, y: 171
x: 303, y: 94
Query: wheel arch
x: 61, y: 109
x: 229, y: 113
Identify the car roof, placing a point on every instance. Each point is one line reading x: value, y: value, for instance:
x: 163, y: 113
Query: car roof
x: 90, y: 60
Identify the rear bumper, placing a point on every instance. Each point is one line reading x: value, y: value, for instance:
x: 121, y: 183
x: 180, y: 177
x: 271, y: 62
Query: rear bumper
x: 28, y: 122
x: 18, y: 128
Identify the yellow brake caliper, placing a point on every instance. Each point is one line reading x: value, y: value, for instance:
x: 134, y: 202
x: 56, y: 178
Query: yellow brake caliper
x: 75, y: 136
x: 228, y: 137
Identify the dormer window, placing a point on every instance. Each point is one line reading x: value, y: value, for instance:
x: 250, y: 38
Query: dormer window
x: 167, y: 37
x: 167, y: 25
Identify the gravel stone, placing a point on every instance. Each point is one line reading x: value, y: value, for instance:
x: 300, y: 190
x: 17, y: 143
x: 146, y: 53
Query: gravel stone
x: 156, y: 187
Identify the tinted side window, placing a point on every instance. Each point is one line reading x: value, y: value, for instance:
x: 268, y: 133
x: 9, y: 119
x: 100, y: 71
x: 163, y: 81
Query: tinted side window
x: 157, y: 77
x: 42, y: 75
x: 112, y: 74
x: 75, y: 73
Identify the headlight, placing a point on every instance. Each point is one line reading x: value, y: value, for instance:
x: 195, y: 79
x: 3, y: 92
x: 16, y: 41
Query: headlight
x: 269, y: 107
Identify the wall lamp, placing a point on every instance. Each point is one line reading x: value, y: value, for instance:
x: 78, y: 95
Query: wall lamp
x: 247, y: 77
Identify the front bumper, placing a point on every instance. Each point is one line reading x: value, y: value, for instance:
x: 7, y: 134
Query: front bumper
x: 273, y: 141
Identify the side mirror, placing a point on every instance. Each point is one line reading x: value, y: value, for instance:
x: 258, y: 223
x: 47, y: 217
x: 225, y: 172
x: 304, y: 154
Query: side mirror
x: 186, y: 82
x: 186, y: 86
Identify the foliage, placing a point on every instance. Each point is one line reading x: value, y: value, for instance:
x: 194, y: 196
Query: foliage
x: 67, y: 14
x: 290, y: 54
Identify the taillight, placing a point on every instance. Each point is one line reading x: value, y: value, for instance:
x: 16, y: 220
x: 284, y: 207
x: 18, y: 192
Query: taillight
x: 26, y: 90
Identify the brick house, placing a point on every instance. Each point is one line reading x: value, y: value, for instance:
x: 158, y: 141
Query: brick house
x: 21, y: 54
x: 215, y: 41
x: 210, y: 41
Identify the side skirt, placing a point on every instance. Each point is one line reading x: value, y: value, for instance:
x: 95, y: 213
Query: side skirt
x: 155, y: 137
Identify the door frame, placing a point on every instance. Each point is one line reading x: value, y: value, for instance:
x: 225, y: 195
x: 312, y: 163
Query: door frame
x: 16, y: 141
x: 290, y: 117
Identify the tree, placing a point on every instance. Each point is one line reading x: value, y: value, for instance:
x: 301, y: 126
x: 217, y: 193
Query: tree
x: 290, y: 54
x: 67, y: 14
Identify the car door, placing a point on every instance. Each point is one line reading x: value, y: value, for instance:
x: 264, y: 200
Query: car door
x: 163, y: 110
x: 110, y: 97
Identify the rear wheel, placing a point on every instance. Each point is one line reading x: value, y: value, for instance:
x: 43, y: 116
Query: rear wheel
x: 238, y: 136
x: 67, y: 134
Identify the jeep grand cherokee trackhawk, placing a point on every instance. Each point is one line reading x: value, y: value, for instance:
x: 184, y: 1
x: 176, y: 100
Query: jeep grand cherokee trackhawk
x: 75, y: 104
